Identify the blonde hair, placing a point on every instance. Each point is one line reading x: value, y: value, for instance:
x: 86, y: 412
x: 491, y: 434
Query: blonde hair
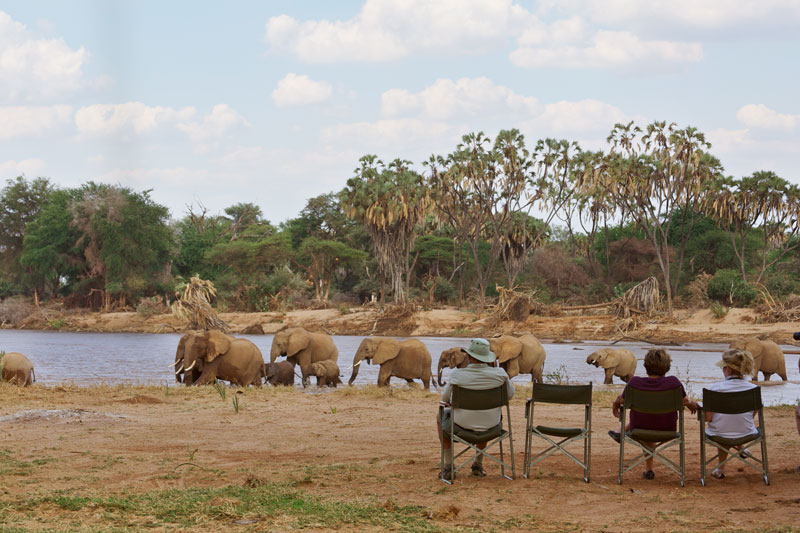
x: 740, y: 362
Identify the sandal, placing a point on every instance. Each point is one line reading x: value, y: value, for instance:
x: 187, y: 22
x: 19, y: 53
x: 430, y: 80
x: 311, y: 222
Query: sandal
x: 477, y: 470
x: 614, y: 435
x: 718, y: 474
x: 445, y: 474
x: 745, y: 455
x: 649, y: 474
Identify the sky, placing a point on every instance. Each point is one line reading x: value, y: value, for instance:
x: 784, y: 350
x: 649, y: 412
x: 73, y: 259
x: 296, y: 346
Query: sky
x: 209, y: 104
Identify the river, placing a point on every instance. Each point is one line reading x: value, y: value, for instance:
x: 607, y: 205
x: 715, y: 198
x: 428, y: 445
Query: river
x: 142, y: 358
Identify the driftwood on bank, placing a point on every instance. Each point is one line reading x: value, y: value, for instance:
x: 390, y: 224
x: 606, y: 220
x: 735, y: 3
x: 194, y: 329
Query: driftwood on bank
x: 193, y: 305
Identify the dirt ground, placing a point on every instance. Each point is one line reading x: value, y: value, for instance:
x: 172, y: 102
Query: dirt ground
x: 366, y: 445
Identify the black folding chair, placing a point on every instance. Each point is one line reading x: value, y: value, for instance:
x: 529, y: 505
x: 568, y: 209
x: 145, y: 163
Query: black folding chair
x: 732, y: 403
x: 478, y: 400
x: 653, y: 402
x: 559, y: 394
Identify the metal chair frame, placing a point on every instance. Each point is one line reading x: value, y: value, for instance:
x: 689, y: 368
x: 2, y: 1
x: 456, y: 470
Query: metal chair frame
x: 734, y: 403
x: 653, y: 402
x: 471, y: 400
x: 564, y: 395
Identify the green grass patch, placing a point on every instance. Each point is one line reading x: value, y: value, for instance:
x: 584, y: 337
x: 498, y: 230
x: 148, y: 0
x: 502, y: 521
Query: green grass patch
x: 9, y: 465
x: 259, y: 501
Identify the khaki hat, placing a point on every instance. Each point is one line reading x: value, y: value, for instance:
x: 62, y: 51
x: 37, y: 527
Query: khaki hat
x: 733, y: 360
x: 479, y: 349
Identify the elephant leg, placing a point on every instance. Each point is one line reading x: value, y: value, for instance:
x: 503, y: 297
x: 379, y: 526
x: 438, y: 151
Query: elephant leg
x: 783, y: 376
x: 767, y: 375
x: 384, y: 375
x: 609, y: 376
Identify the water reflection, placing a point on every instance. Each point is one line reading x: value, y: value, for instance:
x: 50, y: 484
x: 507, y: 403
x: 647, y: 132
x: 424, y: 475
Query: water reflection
x: 141, y: 358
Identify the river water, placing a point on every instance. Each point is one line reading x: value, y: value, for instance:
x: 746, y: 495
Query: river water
x: 143, y: 358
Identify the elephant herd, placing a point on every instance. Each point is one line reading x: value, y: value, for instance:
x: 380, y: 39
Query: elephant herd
x: 206, y: 356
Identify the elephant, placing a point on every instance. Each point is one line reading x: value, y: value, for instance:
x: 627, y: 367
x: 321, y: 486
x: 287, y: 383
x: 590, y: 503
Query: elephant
x: 409, y: 360
x: 302, y: 347
x: 280, y: 373
x: 217, y: 355
x: 616, y: 362
x: 327, y: 373
x: 17, y: 369
x: 450, y: 358
x: 768, y: 356
x: 180, y: 373
x: 523, y: 355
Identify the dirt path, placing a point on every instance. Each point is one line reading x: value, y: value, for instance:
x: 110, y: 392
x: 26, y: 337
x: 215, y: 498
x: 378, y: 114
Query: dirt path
x: 373, y: 446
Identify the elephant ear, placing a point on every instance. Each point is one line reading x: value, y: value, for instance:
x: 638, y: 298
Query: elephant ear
x: 298, y: 340
x: 507, y: 348
x: 218, y: 344
x: 755, y: 347
x: 387, y: 349
x: 610, y: 359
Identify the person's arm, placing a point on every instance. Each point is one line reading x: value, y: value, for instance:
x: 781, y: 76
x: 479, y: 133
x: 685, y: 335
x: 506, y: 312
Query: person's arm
x: 510, y: 387
x: 709, y: 416
x: 615, y: 407
x: 692, y: 406
x: 446, y: 394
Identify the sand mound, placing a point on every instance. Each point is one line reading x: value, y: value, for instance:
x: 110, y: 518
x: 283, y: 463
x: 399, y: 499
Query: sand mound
x: 37, y: 415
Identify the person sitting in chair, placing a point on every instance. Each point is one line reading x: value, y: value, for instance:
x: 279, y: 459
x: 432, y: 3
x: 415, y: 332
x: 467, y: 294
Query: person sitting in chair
x: 657, y: 363
x: 477, y: 375
x: 736, y: 365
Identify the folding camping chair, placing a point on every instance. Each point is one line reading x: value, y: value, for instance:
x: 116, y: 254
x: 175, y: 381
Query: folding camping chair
x: 653, y: 402
x: 474, y: 400
x: 732, y: 403
x: 559, y: 394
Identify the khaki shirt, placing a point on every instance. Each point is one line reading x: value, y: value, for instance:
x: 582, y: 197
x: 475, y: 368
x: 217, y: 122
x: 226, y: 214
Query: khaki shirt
x: 478, y: 377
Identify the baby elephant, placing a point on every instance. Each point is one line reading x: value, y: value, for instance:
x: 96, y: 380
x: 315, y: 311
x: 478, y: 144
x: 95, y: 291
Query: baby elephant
x: 620, y: 363
x: 327, y: 373
x: 280, y: 373
x: 17, y: 369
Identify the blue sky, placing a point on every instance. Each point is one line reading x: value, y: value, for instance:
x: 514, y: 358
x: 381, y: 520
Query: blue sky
x: 211, y: 104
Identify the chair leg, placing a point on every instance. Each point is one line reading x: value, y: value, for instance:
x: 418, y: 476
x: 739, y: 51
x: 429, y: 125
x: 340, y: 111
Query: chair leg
x: 764, y: 457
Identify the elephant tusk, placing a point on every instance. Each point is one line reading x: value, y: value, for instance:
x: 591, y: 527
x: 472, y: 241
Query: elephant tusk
x: 190, y: 366
x: 179, y: 370
x: 175, y: 363
x: 356, y: 364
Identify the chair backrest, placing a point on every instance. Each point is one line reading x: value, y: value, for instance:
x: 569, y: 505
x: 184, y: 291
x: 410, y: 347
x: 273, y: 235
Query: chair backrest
x: 476, y: 400
x: 654, y: 402
x: 731, y: 403
x: 567, y: 394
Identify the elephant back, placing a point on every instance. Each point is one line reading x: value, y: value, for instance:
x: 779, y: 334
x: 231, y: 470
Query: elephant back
x: 323, y: 347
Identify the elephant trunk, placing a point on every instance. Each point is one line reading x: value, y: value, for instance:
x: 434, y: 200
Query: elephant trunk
x: 357, y: 360
x: 442, y: 364
x: 274, y: 353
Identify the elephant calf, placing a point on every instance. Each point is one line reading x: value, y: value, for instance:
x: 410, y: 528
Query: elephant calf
x: 767, y: 356
x: 327, y: 373
x: 280, y: 373
x: 616, y: 362
x: 17, y: 369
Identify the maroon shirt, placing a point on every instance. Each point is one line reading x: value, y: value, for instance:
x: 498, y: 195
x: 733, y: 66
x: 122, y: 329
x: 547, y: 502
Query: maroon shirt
x: 661, y: 421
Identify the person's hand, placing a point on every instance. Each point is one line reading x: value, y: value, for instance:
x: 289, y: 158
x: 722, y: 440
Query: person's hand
x: 693, y: 407
x: 444, y: 404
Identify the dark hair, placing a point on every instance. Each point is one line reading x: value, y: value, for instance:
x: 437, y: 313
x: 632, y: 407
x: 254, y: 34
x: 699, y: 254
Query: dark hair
x: 657, y: 362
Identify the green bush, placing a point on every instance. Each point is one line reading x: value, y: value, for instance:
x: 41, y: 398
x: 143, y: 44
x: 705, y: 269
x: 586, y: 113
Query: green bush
x: 727, y: 286
x: 445, y: 291
x: 781, y: 284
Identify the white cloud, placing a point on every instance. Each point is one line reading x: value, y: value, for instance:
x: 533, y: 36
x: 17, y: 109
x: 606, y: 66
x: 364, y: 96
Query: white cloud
x: 242, y: 156
x: 216, y: 124
x: 106, y: 119
x: 28, y: 167
x: 297, y: 90
x: 605, y: 49
x: 401, y: 135
x: 762, y: 117
x: 32, y: 121
x: 466, y: 97
x: 391, y: 29
x: 697, y: 17
x: 32, y: 67
x: 581, y: 116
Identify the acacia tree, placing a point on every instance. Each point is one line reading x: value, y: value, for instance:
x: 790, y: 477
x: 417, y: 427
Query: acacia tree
x: 762, y: 200
x: 322, y: 258
x: 650, y: 174
x: 390, y: 201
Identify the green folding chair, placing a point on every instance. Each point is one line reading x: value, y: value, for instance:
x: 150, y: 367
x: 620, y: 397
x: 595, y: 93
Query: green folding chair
x: 559, y: 394
x: 478, y: 400
x: 653, y: 402
x: 732, y: 403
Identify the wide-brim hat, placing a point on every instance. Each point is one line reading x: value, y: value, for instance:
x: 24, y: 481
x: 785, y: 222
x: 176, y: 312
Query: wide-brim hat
x: 479, y: 349
x: 722, y: 363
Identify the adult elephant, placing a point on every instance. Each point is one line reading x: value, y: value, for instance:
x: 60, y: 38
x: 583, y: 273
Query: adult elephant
x: 768, y: 356
x: 179, y: 364
x: 409, y: 360
x: 450, y: 358
x: 211, y: 355
x: 523, y: 355
x: 17, y: 369
x: 302, y: 347
x: 616, y: 362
